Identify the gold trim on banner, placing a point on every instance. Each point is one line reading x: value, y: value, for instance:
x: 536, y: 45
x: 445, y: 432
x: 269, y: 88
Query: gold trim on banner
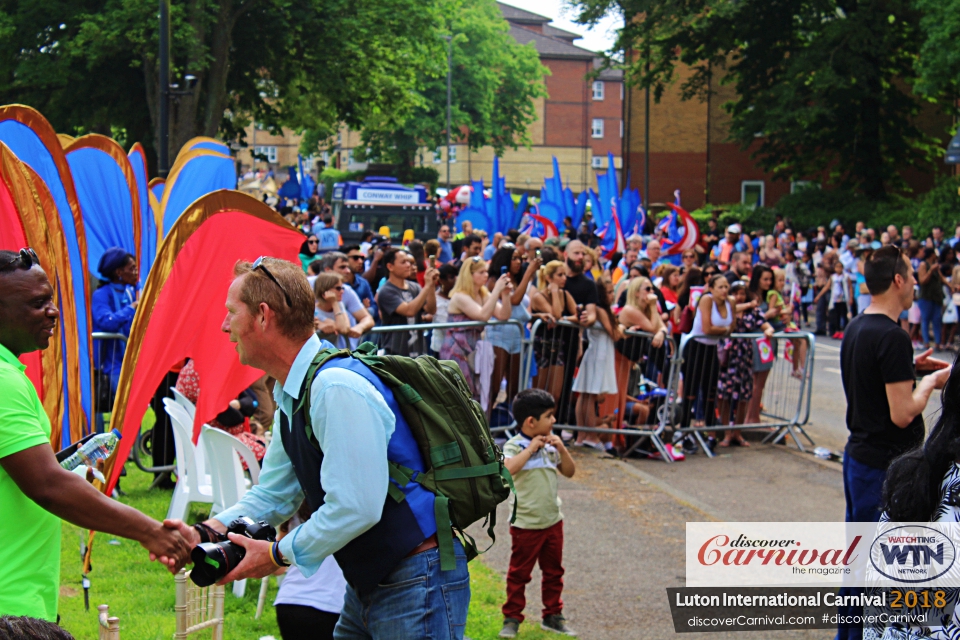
x: 193, y: 216
x: 192, y: 142
x: 181, y: 162
x: 41, y: 127
x: 110, y: 147
x: 65, y: 139
x: 155, y: 207
x: 32, y: 201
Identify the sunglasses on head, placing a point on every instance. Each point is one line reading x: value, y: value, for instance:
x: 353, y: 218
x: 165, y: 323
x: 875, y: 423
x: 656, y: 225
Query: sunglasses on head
x: 258, y: 264
x: 27, y: 257
x: 476, y: 258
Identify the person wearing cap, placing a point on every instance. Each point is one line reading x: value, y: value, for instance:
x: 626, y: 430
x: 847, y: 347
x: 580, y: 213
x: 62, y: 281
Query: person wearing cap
x: 724, y: 250
x: 112, y: 308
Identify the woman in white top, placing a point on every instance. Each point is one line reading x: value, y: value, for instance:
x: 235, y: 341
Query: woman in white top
x: 701, y: 368
x: 597, y: 375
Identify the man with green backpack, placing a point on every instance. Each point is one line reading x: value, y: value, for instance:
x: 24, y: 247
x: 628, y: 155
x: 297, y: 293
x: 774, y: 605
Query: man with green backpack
x: 391, y: 455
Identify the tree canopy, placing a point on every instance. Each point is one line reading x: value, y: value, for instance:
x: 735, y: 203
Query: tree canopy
x: 91, y: 65
x: 821, y: 85
x: 494, y: 83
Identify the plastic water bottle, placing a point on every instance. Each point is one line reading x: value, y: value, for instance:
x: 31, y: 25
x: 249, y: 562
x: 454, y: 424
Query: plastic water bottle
x: 98, y: 447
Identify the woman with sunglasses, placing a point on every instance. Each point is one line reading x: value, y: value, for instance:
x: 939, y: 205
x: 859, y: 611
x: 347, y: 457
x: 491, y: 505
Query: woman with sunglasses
x: 507, y: 340
x: 471, y: 301
x: 554, y: 346
x: 308, y: 252
x: 688, y: 258
x: 330, y: 316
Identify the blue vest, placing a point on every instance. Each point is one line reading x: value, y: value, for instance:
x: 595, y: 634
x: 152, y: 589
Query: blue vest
x: 370, y: 557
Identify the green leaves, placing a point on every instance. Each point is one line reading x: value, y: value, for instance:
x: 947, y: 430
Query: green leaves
x: 827, y: 82
x: 494, y: 83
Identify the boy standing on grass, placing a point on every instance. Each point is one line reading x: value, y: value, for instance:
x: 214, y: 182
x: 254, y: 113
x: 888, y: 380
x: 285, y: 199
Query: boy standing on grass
x: 533, y: 458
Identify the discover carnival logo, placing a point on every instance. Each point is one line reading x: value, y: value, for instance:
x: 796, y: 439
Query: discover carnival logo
x: 912, y: 554
x: 780, y: 554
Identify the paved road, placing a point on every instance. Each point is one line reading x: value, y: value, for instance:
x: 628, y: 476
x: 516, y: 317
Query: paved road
x: 625, y: 521
x: 827, y: 413
x: 624, y: 528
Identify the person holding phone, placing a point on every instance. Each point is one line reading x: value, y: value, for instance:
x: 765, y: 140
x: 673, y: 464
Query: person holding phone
x: 507, y: 340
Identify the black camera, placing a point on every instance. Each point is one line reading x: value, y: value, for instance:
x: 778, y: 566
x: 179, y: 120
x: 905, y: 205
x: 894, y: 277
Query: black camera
x: 213, y: 560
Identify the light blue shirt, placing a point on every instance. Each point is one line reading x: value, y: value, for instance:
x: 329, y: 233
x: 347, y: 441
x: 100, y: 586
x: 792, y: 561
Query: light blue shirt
x: 353, y: 425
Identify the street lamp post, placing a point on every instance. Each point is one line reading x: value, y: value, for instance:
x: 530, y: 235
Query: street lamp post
x: 449, y: 40
x: 163, y: 112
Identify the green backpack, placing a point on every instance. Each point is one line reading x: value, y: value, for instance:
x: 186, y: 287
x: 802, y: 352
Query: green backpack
x: 463, y: 465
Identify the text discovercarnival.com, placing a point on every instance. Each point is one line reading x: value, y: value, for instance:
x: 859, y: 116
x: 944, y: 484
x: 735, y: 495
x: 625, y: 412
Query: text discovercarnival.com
x: 753, y: 576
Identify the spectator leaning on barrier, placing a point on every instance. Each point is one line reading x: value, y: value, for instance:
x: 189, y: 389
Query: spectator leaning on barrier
x: 884, y: 403
x: 470, y: 301
x: 403, y: 302
x: 35, y: 491
x: 386, y: 549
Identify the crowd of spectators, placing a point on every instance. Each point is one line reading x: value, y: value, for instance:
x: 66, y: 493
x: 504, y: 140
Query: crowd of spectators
x: 581, y: 308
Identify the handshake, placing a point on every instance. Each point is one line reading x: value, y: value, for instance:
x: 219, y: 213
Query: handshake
x: 220, y: 554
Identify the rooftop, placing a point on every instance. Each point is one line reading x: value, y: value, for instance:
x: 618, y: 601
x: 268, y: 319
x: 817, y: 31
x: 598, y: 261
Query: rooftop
x: 521, y: 16
x: 549, y: 47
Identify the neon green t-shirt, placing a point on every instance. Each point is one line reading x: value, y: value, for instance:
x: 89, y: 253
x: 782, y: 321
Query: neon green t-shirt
x: 29, y: 535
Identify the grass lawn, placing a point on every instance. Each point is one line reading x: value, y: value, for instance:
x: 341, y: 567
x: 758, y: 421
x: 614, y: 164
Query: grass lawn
x: 141, y: 593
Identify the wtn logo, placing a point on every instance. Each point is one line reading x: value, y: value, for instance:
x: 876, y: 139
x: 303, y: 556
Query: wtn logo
x: 912, y: 553
x: 921, y: 554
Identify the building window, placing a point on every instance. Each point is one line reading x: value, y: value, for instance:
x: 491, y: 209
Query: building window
x: 598, y: 90
x: 803, y: 185
x: 350, y: 156
x: 597, y: 162
x: 438, y: 155
x: 751, y: 193
x: 270, y: 153
x: 596, y: 129
x: 621, y: 91
x: 452, y: 151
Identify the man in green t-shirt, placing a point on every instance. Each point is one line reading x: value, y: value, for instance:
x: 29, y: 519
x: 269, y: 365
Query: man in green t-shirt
x: 35, y: 491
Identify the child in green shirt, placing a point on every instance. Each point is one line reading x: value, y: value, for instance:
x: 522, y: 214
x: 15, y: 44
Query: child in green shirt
x: 533, y: 457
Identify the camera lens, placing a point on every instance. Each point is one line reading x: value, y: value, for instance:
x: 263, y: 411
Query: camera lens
x: 213, y: 560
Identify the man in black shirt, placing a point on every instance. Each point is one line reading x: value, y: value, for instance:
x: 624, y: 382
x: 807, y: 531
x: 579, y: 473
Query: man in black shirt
x: 584, y: 293
x: 884, y: 404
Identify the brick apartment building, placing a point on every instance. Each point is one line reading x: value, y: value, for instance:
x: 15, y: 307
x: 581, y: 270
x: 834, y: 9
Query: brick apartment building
x: 690, y: 150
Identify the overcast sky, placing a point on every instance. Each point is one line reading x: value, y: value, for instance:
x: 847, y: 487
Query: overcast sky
x: 598, y: 38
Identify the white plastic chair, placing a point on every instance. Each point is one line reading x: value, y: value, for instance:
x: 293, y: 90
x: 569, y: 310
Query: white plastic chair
x: 184, y: 402
x: 193, y: 484
x: 226, y: 474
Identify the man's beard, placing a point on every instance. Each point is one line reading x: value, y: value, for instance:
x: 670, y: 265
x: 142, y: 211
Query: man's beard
x: 576, y: 268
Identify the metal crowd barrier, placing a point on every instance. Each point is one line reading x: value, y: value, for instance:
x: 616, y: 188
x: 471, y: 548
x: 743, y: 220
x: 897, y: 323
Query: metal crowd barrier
x: 711, y: 389
x: 506, y: 368
x: 659, y: 389
x: 639, y: 411
x: 142, y: 449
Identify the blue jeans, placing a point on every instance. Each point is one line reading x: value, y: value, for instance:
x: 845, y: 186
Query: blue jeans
x: 930, y: 312
x: 416, y: 601
x: 862, y: 486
